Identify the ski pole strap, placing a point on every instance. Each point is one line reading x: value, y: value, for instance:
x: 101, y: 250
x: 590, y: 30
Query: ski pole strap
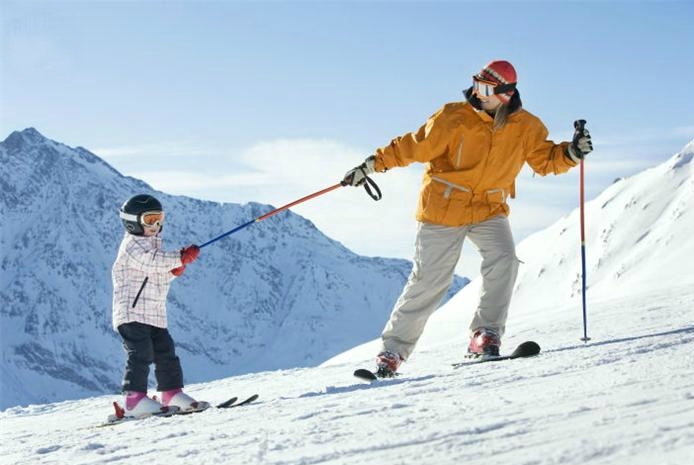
x: 376, y: 192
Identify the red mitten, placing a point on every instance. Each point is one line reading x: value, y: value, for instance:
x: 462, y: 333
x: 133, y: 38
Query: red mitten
x: 189, y: 254
x: 178, y: 271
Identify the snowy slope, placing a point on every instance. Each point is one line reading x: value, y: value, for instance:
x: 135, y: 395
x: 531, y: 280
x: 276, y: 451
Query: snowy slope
x: 624, y: 398
x: 277, y: 294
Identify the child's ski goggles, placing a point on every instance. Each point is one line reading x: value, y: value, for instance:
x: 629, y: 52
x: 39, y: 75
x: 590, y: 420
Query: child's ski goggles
x: 483, y: 88
x: 147, y: 219
x: 151, y: 219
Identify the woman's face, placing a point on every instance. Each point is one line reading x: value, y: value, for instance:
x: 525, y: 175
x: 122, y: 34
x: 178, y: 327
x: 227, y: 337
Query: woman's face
x: 490, y: 103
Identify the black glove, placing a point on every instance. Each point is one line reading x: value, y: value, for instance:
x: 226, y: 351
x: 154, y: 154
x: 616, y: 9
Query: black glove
x: 581, y: 145
x: 357, y: 176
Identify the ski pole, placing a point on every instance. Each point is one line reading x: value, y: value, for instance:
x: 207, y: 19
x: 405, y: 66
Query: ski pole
x: 579, y: 125
x: 369, y: 185
x: 272, y: 213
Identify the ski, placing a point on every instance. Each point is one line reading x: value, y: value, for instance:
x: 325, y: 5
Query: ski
x: 365, y: 374
x: 368, y: 375
x: 525, y: 349
x: 243, y: 402
x: 118, y: 417
x: 227, y: 403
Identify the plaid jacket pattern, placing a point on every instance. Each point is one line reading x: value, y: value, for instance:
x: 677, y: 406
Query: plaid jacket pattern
x: 141, y: 277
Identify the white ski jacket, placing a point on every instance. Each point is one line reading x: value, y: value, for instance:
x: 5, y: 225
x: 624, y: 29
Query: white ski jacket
x: 141, y: 277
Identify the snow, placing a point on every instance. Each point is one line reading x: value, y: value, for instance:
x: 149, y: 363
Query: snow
x: 624, y: 397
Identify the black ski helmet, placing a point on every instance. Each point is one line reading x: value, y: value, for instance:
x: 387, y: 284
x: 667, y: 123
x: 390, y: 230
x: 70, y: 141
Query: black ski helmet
x: 133, y: 208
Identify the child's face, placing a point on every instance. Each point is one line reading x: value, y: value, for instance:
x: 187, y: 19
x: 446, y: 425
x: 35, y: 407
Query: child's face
x: 152, y: 230
x: 152, y: 222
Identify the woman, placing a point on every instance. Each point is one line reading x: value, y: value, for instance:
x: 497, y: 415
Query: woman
x: 474, y: 150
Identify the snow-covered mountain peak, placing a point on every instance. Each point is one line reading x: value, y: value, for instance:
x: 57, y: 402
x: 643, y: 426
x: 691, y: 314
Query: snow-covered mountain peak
x: 22, y: 139
x: 637, y: 230
x: 49, y: 155
x: 684, y: 158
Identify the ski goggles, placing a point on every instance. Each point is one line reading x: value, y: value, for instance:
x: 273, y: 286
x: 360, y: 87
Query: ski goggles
x: 151, y: 219
x: 483, y: 88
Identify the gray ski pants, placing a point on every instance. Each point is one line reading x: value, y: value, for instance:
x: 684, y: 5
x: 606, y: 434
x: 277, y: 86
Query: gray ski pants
x: 437, y: 251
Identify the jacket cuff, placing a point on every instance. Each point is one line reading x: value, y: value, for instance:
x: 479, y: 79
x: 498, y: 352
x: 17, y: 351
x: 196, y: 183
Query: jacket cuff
x: 569, y: 156
x: 379, y: 166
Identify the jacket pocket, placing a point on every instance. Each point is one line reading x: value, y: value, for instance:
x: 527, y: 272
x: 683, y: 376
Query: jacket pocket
x: 496, y: 196
x: 496, y: 200
x: 446, y: 203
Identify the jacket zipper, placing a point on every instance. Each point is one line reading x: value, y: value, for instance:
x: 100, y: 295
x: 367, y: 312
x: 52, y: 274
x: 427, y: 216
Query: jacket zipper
x: 137, y: 297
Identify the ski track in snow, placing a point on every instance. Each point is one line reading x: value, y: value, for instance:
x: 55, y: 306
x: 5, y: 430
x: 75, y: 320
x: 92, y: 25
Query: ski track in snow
x: 625, y: 397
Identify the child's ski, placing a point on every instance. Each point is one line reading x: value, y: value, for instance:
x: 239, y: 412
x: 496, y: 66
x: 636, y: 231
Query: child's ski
x: 119, y: 416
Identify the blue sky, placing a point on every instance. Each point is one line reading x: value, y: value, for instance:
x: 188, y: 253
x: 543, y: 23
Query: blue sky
x: 268, y: 101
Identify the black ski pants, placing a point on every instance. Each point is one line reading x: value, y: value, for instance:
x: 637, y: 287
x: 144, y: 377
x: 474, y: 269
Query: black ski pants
x: 145, y: 344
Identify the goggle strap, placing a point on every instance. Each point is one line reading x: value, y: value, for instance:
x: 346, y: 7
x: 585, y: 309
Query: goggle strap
x: 128, y: 216
x: 503, y: 88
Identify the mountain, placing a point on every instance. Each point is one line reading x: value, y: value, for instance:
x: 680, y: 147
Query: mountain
x: 626, y: 397
x: 275, y: 295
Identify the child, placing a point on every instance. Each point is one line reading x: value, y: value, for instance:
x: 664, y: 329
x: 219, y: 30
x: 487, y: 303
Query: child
x: 141, y: 277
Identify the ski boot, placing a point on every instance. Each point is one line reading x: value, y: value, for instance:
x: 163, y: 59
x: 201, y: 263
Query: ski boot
x: 138, y: 405
x: 484, y: 343
x: 179, y: 399
x: 388, y: 364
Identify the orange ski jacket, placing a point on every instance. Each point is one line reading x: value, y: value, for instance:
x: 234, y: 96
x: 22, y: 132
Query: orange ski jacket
x: 472, y: 167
